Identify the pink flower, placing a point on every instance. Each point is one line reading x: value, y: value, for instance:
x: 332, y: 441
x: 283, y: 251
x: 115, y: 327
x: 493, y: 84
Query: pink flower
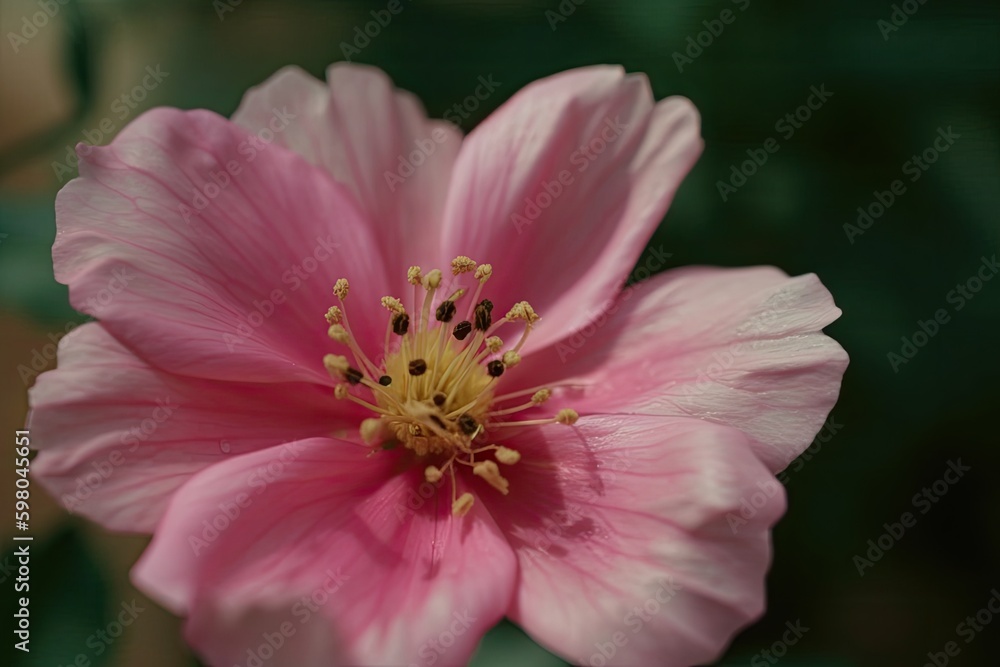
x: 603, y: 476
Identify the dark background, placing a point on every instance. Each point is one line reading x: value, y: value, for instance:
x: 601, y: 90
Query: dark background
x: 896, y: 428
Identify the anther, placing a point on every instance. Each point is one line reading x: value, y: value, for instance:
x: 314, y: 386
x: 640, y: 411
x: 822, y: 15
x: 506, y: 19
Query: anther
x: 338, y: 333
x: 439, y: 399
x: 400, y: 324
x: 340, y: 288
x: 468, y: 424
x: 511, y: 358
x: 495, y: 368
x: 418, y: 367
x: 493, y: 344
x: 385, y: 380
x: 414, y: 275
x: 462, y: 264
x: 372, y: 430
x: 393, y: 304
x: 541, y: 396
x: 340, y: 391
x: 507, y: 456
x: 446, y: 311
x: 522, y: 310
x: 483, y: 318
x: 490, y: 472
x: 567, y: 416
x: 432, y: 280
x: 483, y: 272
x: 462, y: 329
x: 462, y: 506
x: 432, y: 474
x: 333, y: 315
x: 354, y: 376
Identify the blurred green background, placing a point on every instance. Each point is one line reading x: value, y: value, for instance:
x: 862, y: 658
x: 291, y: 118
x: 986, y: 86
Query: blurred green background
x: 893, y: 86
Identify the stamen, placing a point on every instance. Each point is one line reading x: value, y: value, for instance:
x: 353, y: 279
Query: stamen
x: 490, y: 472
x: 393, y: 304
x: 400, y: 324
x: 413, y: 275
x: 385, y: 380
x: 433, y: 474
x: 462, y: 330
x: 483, y: 315
x: 446, y: 311
x: 507, y: 456
x: 462, y: 264
x: 495, y: 368
x: 511, y: 358
x: 462, y: 506
x: 418, y: 367
x: 340, y: 288
x: 372, y: 430
x: 567, y: 416
x: 338, y: 333
x: 333, y: 315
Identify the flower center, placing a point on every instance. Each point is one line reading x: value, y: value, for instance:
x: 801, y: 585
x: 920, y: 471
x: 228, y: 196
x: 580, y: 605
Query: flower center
x: 434, y: 388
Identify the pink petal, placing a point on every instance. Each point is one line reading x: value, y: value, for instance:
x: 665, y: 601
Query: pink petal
x: 117, y: 437
x: 232, y: 287
x: 634, y: 544
x: 321, y: 506
x: 575, y: 252
x: 741, y: 347
x: 375, y: 139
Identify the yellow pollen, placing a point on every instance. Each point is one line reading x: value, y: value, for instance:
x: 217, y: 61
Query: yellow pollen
x: 462, y: 506
x: 372, y: 430
x: 338, y: 333
x: 567, y: 416
x: 393, y: 304
x: 522, y: 310
x: 541, y: 396
x: 490, y: 472
x: 483, y: 272
x: 507, y: 456
x: 433, y: 388
x: 432, y: 280
x: 462, y: 264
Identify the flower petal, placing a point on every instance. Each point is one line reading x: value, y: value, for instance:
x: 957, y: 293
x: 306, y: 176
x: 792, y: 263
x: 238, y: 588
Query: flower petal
x: 117, y: 437
x: 561, y: 188
x: 641, y: 540
x: 741, y: 347
x: 375, y: 139
x: 211, y: 252
x: 411, y: 573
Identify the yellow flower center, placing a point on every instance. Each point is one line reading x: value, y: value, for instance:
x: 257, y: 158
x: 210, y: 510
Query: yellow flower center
x: 434, y: 389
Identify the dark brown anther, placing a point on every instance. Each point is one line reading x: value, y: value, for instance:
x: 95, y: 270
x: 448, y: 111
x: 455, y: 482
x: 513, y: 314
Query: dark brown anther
x: 445, y: 311
x: 467, y: 424
x: 463, y: 329
x: 418, y: 367
x: 437, y: 420
x: 354, y: 376
x: 482, y: 315
x: 400, y: 324
x: 439, y: 399
x: 385, y: 380
x: 495, y: 368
